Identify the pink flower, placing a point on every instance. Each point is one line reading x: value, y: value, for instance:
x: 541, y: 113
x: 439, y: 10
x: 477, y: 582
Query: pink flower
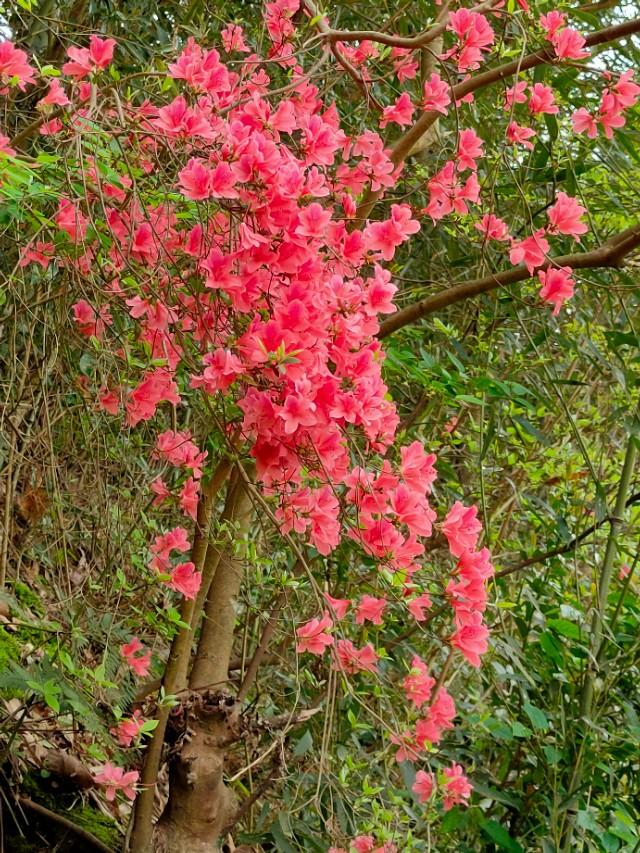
x: 493, y: 229
x: 233, y: 39
x: 160, y: 490
x: 194, y: 180
x: 164, y: 544
x: 436, y: 95
x: 83, y: 61
x: 363, y: 844
x: 157, y: 386
x: 515, y: 94
x: 568, y: 44
x: 610, y: 115
x: 439, y: 718
x: 386, y: 236
x: 447, y: 195
x: 474, y: 35
x: 461, y: 527
x: 423, y: 786
x: 370, y: 609
x: 91, y: 323
x: 189, y: 497
x: 186, y: 580
x: 400, y: 112
x: 313, y: 636
x: 625, y: 91
x: 178, y: 449
x: 417, y: 606
x: 418, y: 684
x: 115, y: 779
x: 417, y: 467
x: 564, y: 216
x: 471, y: 638
x: 557, y: 286
x: 407, y: 747
x: 351, y: 660
x: 542, y: 100
x: 584, y: 122
x: 221, y: 371
x: 457, y: 787
x: 14, y: 65
x: 469, y: 149
x: 139, y: 663
x: 339, y: 606
x: 531, y: 251
x: 519, y: 135
x: 128, y: 730
x: 56, y: 96
x: 552, y: 22
x: 314, y: 221
x: 70, y: 219
x: 39, y: 253
x: 8, y: 151
x: 178, y: 119
x: 101, y: 51
x: 624, y: 572
x: 405, y: 64
x: 109, y: 401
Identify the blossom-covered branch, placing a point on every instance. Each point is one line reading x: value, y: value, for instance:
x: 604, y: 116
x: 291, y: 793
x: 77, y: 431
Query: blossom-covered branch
x: 402, y: 148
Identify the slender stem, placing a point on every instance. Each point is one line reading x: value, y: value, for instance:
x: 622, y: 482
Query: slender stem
x: 88, y: 839
x: 597, y: 622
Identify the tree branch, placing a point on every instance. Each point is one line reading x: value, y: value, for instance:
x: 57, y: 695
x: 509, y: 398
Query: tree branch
x: 610, y: 255
x: 545, y: 55
x: 563, y: 549
x: 411, y: 42
x: 325, y: 31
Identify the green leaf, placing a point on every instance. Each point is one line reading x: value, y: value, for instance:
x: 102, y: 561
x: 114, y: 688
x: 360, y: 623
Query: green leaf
x: 537, y: 716
x: 565, y: 628
x: 501, y: 838
x: 304, y: 744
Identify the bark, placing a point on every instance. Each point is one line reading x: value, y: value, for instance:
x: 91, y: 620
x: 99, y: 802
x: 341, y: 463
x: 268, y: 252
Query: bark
x: 200, y: 805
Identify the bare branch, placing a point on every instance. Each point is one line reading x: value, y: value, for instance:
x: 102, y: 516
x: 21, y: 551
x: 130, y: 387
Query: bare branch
x: 563, y: 549
x: 610, y: 255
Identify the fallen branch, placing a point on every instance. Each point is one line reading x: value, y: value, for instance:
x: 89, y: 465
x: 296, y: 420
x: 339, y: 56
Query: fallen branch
x: 82, y: 834
x: 611, y: 254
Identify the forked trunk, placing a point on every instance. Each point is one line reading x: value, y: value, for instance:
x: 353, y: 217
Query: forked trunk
x: 200, y: 805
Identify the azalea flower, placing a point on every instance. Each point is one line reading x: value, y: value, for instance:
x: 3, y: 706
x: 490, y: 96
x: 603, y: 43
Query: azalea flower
x: 313, y: 636
x: 115, y: 779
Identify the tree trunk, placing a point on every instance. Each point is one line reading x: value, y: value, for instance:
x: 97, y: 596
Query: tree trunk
x: 200, y: 805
